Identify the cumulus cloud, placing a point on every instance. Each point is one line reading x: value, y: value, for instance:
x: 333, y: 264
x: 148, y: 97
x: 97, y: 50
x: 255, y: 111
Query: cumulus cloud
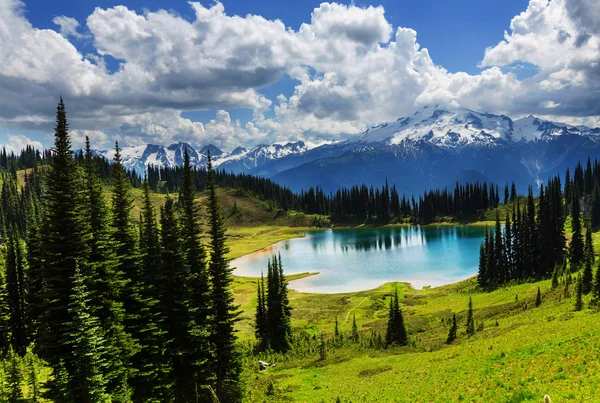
x: 68, y: 26
x: 17, y: 142
x: 352, y: 68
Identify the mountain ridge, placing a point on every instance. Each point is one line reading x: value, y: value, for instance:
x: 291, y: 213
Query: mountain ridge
x: 434, y: 147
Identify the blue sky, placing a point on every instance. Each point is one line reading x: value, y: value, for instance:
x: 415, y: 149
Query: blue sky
x: 127, y: 84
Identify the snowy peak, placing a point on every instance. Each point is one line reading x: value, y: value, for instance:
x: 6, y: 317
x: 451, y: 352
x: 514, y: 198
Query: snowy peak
x: 214, y: 150
x: 444, y: 128
x: 532, y: 128
x: 137, y: 158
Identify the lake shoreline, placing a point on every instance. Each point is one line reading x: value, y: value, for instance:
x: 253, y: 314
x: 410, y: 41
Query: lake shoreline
x: 414, y: 283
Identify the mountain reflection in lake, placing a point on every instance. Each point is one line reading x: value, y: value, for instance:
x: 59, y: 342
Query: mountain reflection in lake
x: 360, y: 259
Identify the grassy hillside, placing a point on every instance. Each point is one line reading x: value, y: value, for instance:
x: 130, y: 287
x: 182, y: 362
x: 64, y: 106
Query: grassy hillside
x: 522, y: 353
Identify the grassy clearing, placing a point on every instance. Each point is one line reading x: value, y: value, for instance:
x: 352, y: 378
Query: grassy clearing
x: 522, y: 353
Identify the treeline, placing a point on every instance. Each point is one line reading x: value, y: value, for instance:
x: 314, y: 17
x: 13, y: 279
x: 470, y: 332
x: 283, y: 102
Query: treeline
x: 119, y: 311
x: 385, y: 204
x: 532, y: 245
x: 166, y: 179
x: 28, y: 157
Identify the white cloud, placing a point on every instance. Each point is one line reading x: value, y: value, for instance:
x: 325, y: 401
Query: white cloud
x: 68, y: 26
x: 353, y: 69
x: 18, y: 142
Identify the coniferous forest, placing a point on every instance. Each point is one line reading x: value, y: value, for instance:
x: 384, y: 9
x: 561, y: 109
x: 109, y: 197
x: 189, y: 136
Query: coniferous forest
x: 118, y: 308
x: 117, y: 311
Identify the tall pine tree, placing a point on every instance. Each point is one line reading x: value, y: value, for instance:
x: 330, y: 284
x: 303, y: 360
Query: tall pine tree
x: 225, y: 313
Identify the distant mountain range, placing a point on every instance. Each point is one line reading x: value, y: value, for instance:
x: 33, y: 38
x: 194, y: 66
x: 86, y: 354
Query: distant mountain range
x: 432, y: 148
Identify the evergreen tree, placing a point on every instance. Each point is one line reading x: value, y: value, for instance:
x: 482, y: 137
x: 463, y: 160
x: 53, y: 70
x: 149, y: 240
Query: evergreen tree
x: 576, y: 247
x: 176, y: 297
x: 15, y: 286
x: 87, y: 347
x: 595, y: 210
x: 596, y: 285
x: 149, y: 380
x: 322, y: 348
x: 538, y: 298
x: 587, y: 276
x: 5, y: 342
x: 588, y: 249
x: 227, y: 359
x: 396, y: 330
x: 336, y: 330
x: 470, y: 319
x: 65, y: 245
x: 195, y: 260
x: 579, y: 295
x: 453, y: 330
x: 106, y: 284
x: 261, y: 326
x: 35, y: 283
x: 14, y: 378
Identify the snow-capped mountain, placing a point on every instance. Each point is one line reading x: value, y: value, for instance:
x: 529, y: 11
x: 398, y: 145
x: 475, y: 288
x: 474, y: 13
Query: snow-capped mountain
x: 137, y: 158
x: 434, y: 147
x: 446, y: 129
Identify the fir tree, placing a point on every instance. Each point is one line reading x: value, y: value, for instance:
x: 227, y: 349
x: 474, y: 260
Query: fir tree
x: 35, y: 283
x: 65, y: 245
x: 260, y: 328
x: 587, y: 276
x: 588, y: 249
x: 4, y: 320
x: 195, y: 260
x: 576, y: 247
x: 538, y: 298
x: 106, y: 284
x: 453, y: 330
x: 14, y: 378
x: 87, y: 347
x: 596, y: 285
x: 322, y: 348
x: 176, y: 299
x: 579, y: 295
x: 15, y: 286
x: 227, y: 357
x: 396, y: 330
x: 470, y: 319
x: 141, y: 321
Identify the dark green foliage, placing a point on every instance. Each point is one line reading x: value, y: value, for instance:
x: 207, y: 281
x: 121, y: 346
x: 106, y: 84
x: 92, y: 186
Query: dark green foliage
x: 278, y: 310
x: 15, y: 290
x: 87, y: 346
x: 587, y: 276
x: 579, y: 294
x: 576, y: 248
x: 198, y: 282
x: 354, y: 334
x: 261, y: 330
x: 35, y: 282
x: 470, y: 319
x: 322, y: 348
x: 4, y: 320
x: 538, y: 298
x: 107, y: 284
x: 14, y: 378
x: 529, y: 247
x: 65, y: 235
x: 453, y: 330
x: 227, y: 359
x: 175, y: 297
x: 396, y: 330
x: 141, y: 321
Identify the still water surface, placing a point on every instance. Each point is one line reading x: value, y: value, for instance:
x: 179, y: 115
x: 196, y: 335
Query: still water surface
x: 361, y: 259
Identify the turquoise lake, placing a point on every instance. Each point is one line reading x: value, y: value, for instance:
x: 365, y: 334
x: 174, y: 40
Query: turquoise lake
x: 361, y: 259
